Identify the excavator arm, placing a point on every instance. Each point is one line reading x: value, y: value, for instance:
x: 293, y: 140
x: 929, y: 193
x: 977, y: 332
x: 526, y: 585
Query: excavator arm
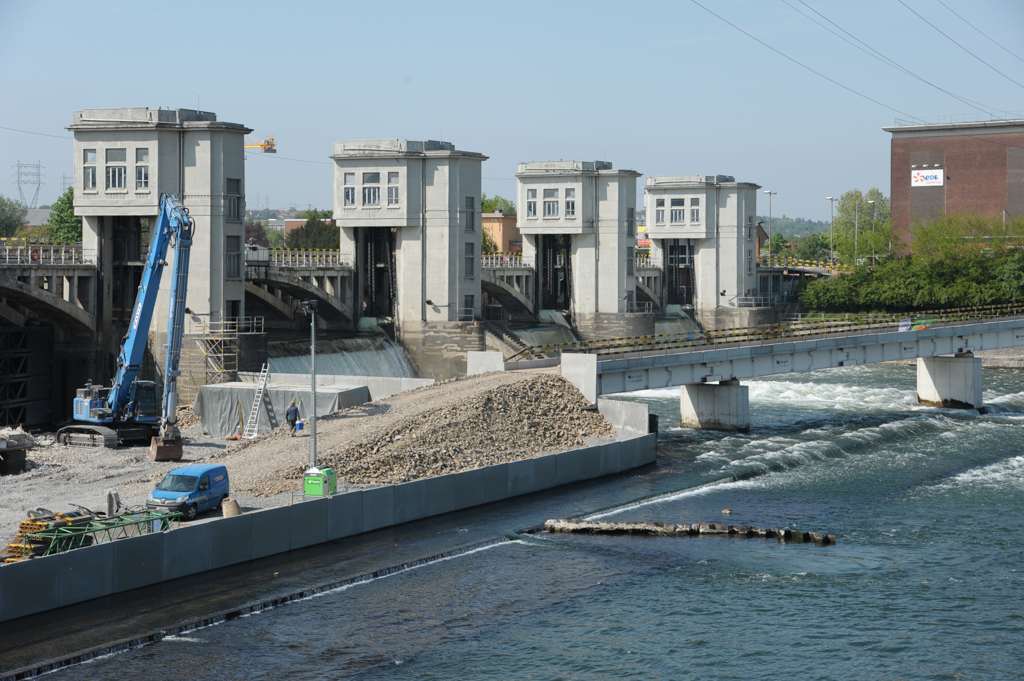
x: 173, y: 222
x: 126, y: 410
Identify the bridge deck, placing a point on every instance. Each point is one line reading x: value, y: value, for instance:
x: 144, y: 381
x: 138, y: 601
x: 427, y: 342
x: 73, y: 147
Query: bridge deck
x: 797, y: 352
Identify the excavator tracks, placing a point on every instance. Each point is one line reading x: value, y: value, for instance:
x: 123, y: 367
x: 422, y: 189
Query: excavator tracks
x: 88, y: 436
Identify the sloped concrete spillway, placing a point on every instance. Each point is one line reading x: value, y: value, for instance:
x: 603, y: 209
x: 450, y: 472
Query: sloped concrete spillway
x: 359, y: 356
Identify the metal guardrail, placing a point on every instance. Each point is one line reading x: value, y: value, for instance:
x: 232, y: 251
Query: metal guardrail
x: 45, y: 254
x: 643, y: 306
x: 230, y: 326
x: 661, y: 343
x: 759, y: 301
x: 465, y: 314
x: 958, y: 118
x: 293, y: 257
x: 648, y: 263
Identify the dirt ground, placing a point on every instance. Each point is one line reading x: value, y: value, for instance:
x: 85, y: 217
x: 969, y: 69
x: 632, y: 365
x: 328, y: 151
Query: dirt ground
x: 454, y: 425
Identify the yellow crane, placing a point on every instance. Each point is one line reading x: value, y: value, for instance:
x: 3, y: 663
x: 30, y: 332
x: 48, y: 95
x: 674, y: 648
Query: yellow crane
x: 267, y: 146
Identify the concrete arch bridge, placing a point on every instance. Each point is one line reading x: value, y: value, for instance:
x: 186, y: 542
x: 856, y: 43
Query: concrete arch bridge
x: 277, y: 279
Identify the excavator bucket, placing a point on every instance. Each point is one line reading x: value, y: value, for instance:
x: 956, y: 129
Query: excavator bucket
x: 165, y: 449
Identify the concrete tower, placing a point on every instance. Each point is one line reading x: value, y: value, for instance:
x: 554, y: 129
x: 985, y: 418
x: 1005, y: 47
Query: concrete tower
x: 578, y: 224
x: 409, y: 214
x: 124, y: 159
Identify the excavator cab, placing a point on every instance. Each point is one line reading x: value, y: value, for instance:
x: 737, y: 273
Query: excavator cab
x: 146, y: 402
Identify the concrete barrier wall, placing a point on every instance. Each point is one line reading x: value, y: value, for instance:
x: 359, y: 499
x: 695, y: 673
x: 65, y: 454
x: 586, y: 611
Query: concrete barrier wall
x: 484, y: 362
x: 67, y: 578
x: 379, y: 386
x: 629, y: 419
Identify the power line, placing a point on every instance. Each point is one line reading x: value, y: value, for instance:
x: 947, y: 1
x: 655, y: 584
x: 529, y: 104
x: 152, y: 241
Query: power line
x: 961, y: 46
x: 875, y: 54
x: 41, y: 134
x: 979, y: 31
x: 849, y: 89
x: 297, y: 160
x: 802, y: 65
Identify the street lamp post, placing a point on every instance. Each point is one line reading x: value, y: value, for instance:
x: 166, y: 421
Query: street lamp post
x: 831, y: 231
x: 770, y: 276
x: 856, y: 231
x: 872, y: 232
x: 309, y: 307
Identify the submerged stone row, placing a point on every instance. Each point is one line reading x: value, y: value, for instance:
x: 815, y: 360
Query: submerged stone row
x: 686, y: 530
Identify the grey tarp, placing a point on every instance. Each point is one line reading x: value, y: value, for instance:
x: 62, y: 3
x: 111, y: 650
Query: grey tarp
x: 223, y: 406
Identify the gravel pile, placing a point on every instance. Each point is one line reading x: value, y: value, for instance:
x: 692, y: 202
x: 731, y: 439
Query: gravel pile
x: 506, y: 423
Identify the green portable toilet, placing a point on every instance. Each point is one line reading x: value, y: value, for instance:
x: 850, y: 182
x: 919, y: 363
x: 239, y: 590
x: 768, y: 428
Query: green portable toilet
x: 320, y: 482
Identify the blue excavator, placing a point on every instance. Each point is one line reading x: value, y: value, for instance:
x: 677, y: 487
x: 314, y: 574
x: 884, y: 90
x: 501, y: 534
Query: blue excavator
x: 130, y: 410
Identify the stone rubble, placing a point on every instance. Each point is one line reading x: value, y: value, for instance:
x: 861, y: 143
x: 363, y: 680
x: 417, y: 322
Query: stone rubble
x: 506, y: 423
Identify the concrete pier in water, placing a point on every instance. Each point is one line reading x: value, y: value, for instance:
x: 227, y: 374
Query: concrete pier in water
x: 953, y: 382
x: 721, y: 406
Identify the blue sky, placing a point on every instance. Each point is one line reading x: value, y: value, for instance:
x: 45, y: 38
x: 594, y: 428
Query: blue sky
x: 658, y: 87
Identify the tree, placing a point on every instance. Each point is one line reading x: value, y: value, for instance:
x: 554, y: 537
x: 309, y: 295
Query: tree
x: 857, y: 222
x: 314, y: 213
x: 1011, y: 277
x: 494, y: 204
x: 275, y: 238
x: 12, y: 215
x: 315, y: 234
x: 255, y: 234
x: 63, y: 225
x: 779, y: 243
x: 812, y: 247
x: 487, y: 245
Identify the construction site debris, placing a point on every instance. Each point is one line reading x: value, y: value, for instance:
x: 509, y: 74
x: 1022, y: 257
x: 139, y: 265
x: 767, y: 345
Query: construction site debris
x: 187, y: 418
x: 686, y: 530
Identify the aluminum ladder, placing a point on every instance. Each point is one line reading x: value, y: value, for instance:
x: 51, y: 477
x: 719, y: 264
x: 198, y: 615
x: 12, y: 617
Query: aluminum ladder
x: 254, y: 413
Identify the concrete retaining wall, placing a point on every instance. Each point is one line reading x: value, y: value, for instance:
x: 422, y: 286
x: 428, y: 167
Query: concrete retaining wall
x: 64, y: 579
x: 379, y: 386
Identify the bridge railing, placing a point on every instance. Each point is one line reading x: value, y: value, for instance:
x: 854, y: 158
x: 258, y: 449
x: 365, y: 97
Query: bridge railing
x: 294, y: 257
x: 646, y: 262
x: 806, y: 330
x: 799, y: 263
x: 758, y: 301
x: 499, y: 260
x: 44, y: 254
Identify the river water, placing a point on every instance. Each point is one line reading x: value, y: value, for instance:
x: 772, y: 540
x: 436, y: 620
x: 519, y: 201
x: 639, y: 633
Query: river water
x: 925, y: 583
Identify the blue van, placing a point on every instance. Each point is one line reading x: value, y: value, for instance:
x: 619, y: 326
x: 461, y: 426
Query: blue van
x: 190, y: 490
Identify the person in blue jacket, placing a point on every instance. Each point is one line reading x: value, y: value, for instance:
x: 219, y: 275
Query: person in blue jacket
x: 292, y: 415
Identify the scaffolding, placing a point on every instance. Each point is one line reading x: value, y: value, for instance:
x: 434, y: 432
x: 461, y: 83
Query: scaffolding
x: 213, y: 351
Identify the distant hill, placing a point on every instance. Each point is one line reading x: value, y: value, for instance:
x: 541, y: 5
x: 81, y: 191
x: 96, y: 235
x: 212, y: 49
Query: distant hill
x: 794, y: 226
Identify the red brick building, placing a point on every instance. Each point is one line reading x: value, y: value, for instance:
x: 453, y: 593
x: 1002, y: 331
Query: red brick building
x: 956, y: 167
x: 295, y: 223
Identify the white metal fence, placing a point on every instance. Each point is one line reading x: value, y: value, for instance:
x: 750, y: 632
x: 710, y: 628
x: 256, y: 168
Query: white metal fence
x: 44, y: 254
x: 495, y: 260
x: 290, y: 257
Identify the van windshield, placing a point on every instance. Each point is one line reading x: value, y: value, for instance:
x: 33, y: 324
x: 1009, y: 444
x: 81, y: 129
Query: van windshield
x: 177, y: 483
